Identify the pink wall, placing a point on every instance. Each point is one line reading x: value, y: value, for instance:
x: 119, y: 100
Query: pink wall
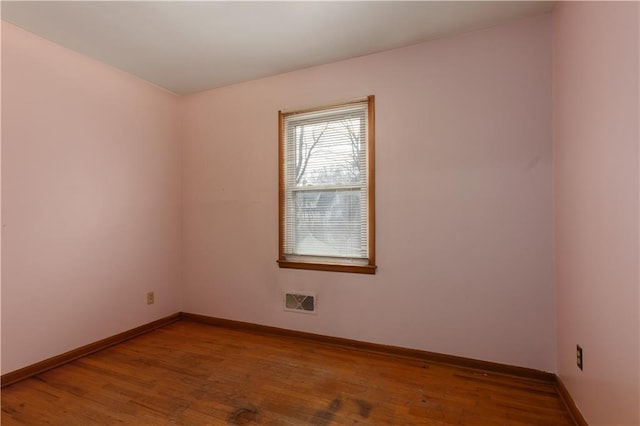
x: 0, y: 204
x: 464, y: 200
x: 91, y: 200
x: 596, y: 141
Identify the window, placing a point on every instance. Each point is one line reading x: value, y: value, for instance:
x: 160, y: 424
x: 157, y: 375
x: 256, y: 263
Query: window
x: 326, y: 157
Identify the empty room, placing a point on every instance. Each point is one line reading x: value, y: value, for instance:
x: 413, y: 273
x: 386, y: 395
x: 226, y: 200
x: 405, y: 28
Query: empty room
x: 320, y: 213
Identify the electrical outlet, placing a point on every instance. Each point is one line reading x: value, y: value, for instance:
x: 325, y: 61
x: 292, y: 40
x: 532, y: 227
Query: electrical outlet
x: 150, y: 298
x: 579, y: 358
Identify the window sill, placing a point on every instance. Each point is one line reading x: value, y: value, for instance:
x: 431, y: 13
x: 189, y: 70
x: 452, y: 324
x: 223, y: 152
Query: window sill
x: 333, y: 267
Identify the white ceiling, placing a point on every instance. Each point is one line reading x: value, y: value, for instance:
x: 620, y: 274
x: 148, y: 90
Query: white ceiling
x: 189, y: 46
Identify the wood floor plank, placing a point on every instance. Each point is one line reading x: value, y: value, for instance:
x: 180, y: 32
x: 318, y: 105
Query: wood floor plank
x: 188, y: 373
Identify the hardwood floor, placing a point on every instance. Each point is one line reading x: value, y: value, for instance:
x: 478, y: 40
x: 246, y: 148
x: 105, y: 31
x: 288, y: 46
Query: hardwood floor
x: 188, y: 373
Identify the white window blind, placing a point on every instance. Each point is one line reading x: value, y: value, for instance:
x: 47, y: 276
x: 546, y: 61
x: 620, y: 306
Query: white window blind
x: 325, y: 180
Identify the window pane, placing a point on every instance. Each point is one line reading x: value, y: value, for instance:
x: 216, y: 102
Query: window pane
x: 329, y: 152
x: 327, y: 223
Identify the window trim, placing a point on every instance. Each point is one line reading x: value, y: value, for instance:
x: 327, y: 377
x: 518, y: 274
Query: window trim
x: 368, y: 268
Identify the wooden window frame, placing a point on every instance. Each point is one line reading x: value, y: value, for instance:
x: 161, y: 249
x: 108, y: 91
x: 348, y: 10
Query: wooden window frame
x: 368, y: 268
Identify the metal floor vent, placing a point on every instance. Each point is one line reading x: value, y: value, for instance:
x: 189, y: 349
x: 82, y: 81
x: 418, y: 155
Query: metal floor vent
x: 296, y: 302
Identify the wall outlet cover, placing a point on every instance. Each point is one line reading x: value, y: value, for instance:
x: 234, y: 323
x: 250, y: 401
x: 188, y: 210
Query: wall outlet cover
x: 579, y: 358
